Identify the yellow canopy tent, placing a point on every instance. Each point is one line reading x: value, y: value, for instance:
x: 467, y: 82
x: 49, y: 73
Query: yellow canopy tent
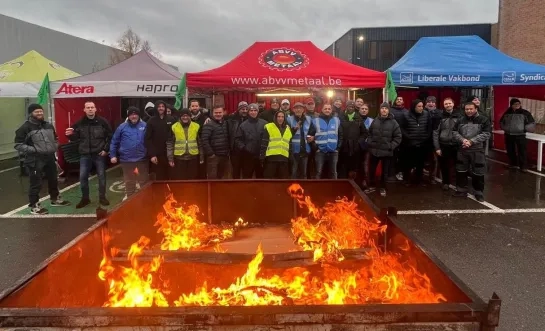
x: 20, y: 81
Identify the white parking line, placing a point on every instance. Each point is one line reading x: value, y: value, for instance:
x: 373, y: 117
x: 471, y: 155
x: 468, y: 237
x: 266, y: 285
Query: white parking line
x: 471, y: 211
x: 472, y: 197
x: 8, y: 169
x: 530, y: 171
x: 50, y: 216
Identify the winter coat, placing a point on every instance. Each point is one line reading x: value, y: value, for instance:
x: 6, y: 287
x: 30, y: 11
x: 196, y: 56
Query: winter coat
x: 517, y: 122
x: 353, y: 132
x: 128, y: 142
x: 416, y: 128
x: 436, y: 117
x: 443, y: 134
x: 475, y: 128
x: 215, y: 138
x: 399, y: 114
x: 268, y: 115
x: 233, y: 122
x: 249, y: 135
x: 384, y: 136
x: 94, y: 135
x: 158, y: 131
x: 36, y: 140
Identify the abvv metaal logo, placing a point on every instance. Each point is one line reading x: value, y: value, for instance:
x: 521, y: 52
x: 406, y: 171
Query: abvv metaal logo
x: 406, y: 78
x: 508, y: 77
x: 283, y: 59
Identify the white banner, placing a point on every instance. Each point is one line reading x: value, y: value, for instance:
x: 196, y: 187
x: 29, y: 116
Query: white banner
x: 114, y: 89
x: 19, y: 90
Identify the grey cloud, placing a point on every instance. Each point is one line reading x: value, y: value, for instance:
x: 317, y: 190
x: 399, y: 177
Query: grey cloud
x: 199, y: 35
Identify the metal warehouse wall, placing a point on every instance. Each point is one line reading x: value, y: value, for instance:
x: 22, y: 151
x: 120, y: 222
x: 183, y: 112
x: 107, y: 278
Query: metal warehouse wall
x: 82, y: 56
x: 382, y: 47
x: 343, y: 47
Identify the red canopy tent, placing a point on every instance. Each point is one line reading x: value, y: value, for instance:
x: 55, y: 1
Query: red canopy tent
x: 286, y: 64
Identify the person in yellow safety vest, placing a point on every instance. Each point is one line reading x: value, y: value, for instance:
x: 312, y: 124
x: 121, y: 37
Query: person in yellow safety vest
x: 184, y: 149
x: 275, y: 148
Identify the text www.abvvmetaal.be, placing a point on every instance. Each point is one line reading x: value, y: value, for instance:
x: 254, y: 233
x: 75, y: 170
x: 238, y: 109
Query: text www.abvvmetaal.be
x: 272, y: 81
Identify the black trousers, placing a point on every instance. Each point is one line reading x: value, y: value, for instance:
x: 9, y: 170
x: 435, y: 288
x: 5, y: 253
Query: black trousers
x: 517, y: 150
x: 396, y: 164
x: 251, y: 166
x: 470, y: 163
x: 414, y: 157
x: 162, y: 169
x: 348, y: 164
x: 186, y: 169
x: 447, y: 160
x: 363, y: 170
x: 36, y: 171
x: 276, y: 170
x: 216, y: 166
x: 385, y: 162
x: 236, y: 164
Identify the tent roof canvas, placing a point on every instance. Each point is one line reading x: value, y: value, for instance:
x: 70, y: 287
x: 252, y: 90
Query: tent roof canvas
x: 285, y: 64
x: 462, y: 61
x: 32, y: 67
x: 140, y: 67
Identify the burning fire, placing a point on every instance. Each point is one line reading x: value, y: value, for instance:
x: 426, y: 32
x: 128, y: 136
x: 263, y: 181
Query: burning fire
x: 382, y: 277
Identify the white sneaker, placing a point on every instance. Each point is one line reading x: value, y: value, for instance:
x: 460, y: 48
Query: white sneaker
x: 125, y: 197
x: 38, y: 210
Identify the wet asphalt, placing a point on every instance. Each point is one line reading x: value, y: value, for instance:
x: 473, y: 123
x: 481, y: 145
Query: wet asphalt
x: 501, y: 253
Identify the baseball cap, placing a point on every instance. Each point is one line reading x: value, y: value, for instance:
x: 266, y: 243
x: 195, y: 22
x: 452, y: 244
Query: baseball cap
x: 285, y: 101
x: 298, y: 104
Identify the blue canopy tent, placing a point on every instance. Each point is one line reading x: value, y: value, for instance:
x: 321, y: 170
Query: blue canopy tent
x: 464, y: 61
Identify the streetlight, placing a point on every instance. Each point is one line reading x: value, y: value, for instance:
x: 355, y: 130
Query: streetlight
x: 361, y: 38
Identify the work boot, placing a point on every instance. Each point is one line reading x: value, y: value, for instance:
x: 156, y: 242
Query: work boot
x: 83, y: 202
x: 37, y: 209
x: 59, y: 202
x: 104, y: 202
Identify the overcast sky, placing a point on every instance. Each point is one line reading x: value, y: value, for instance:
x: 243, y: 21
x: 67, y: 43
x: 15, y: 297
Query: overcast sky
x: 201, y: 34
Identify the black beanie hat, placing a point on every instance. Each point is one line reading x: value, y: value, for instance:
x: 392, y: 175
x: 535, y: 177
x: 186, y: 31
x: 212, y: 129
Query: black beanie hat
x: 385, y: 105
x: 33, y: 106
x: 513, y: 101
x: 184, y: 111
x: 133, y: 110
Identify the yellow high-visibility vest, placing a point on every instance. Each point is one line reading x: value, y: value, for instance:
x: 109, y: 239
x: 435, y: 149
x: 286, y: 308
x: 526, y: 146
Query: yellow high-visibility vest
x: 278, y: 144
x: 182, y: 141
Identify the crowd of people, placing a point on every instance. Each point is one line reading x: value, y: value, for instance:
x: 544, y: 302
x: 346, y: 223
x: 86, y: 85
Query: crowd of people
x: 280, y: 142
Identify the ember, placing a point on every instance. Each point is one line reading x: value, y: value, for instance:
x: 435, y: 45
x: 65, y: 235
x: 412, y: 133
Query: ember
x: 383, y: 278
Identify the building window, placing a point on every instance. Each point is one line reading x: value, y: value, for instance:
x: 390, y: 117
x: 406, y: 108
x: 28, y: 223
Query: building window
x: 372, y: 50
x: 400, y: 48
x: 386, y: 50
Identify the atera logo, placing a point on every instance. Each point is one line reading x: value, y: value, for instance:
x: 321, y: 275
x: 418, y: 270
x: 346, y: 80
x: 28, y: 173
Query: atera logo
x: 71, y: 89
x: 283, y: 59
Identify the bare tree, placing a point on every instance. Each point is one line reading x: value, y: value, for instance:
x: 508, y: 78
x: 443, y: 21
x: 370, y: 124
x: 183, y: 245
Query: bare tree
x: 128, y: 44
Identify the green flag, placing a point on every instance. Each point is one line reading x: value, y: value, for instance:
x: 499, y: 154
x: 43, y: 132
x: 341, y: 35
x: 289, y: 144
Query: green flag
x: 180, y: 93
x: 390, y: 88
x: 43, y: 94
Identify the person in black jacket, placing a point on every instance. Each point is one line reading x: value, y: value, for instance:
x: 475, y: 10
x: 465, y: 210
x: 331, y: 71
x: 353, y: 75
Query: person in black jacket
x: 436, y: 115
x: 398, y: 110
x: 94, y: 135
x: 37, y: 141
x: 416, y: 129
x: 443, y: 142
x: 268, y: 115
x: 200, y: 117
x: 158, y: 130
x: 353, y: 133
x: 384, y: 138
x: 248, y: 143
x: 472, y: 131
x: 515, y: 122
x: 215, y: 144
x: 233, y: 122
x: 274, y: 154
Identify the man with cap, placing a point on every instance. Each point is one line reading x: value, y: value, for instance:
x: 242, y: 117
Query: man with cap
x: 275, y: 148
x: 129, y: 149
x: 353, y: 133
x: 94, y: 134
x: 184, y: 150
x: 285, y: 107
x: 248, y: 143
x: 268, y: 115
x: 37, y: 140
x: 158, y: 130
x: 311, y: 107
x: 233, y: 122
x: 303, y: 132
x: 329, y: 139
x: 515, y: 122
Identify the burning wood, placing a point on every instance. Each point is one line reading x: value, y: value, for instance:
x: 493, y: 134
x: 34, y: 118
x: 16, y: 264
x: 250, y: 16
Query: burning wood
x: 335, y: 232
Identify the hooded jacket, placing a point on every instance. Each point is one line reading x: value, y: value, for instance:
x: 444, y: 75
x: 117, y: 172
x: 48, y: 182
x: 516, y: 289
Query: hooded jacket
x: 158, y: 132
x: 36, y: 140
x: 94, y: 135
x: 249, y: 135
x: 353, y: 132
x: 442, y: 135
x: 475, y: 128
x: 128, y: 142
x: 416, y: 128
x: 215, y: 138
x: 384, y: 136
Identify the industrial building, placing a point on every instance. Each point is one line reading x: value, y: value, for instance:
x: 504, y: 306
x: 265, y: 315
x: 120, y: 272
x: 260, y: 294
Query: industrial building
x: 77, y: 54
x: 379, y: 48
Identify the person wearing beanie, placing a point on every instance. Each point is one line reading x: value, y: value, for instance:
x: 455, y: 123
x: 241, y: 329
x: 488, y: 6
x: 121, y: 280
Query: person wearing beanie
x: 233, y: 122
x: 37, y: 141
x: 215, y: 144
x: 398, y: 110
x: 363, y: 170
x: 94, y: 134
x: 129, y: 149
x: 184, y: 150
x: 268, y: 115
x: 472, y: 132
x: 158, y: 130
x: 303, y: 131
x: 329, y: 140
x: 515, y: 122
x: 416, y: 128
x: 445, y: 147
x: 248, y: 143
x: 275, y: 148
x: 353, y: 132
x: 384, y: 137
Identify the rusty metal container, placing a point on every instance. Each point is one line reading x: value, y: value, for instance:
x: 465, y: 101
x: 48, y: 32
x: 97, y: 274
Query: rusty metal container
x: 64, y: 293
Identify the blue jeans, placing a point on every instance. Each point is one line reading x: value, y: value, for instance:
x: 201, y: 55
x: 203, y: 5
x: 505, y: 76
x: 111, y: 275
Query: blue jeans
x: 298, y: 166
x: 85, y: 164
x: 330, y: 159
